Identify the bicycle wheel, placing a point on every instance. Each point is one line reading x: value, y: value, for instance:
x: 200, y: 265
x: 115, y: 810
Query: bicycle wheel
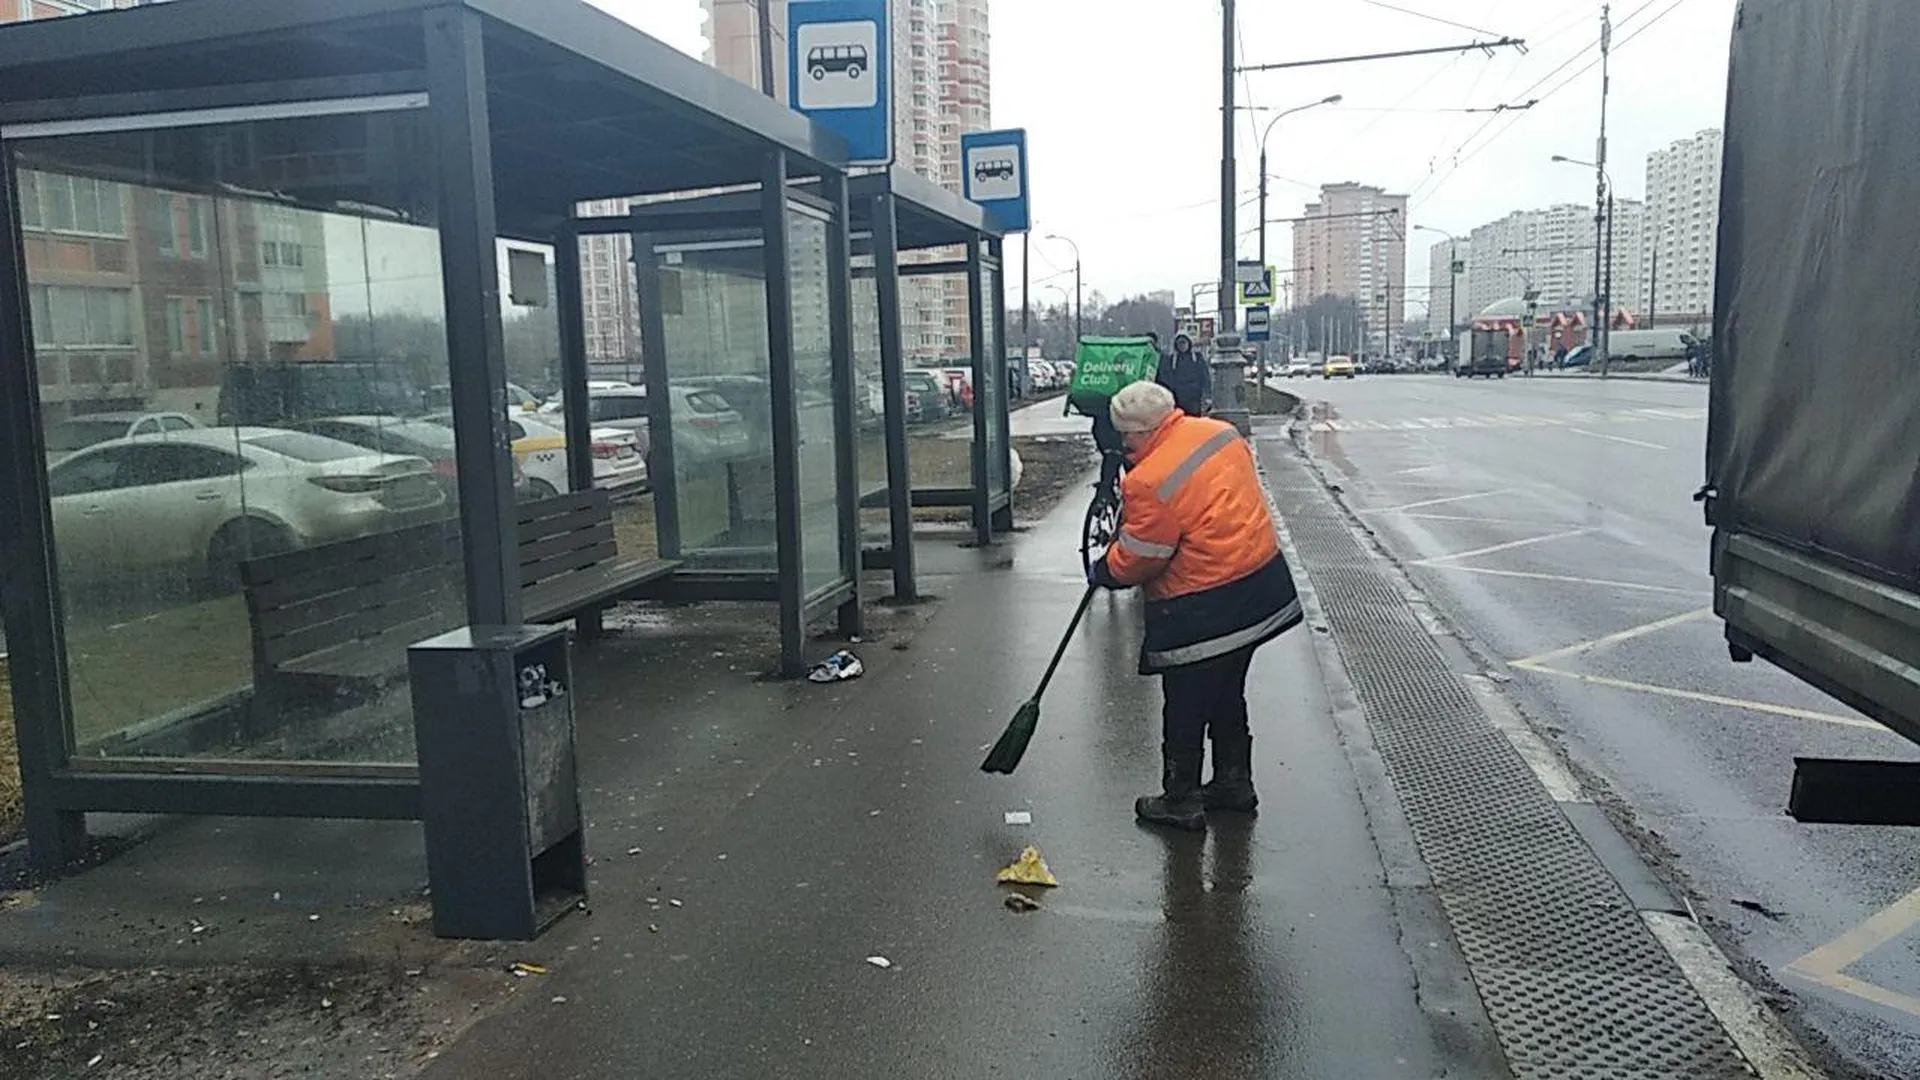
x: 1101, y: 526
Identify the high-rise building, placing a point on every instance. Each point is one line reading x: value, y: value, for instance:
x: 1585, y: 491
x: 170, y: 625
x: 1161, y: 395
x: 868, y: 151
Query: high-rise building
x: 1682, y: 228
x: 1552, y: 252
x: 966, y: 105
x: 1443, y: 283
x: 733, y: 40
x: 609, y: 296
x: 1353, y: 243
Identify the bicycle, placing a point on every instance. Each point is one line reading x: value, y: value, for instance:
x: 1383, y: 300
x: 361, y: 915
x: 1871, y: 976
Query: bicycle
x: 1101, y: 526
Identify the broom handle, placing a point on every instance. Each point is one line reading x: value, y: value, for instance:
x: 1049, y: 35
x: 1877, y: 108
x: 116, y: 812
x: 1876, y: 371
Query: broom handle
x: 1086, y: 600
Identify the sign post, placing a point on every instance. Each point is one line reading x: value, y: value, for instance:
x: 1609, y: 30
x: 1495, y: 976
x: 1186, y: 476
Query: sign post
x: 840, y: 74
x: 993, y: 172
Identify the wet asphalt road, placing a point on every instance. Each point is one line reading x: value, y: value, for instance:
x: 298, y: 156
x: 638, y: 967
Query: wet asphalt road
x: 1545, y: 515
x: 859, y: 826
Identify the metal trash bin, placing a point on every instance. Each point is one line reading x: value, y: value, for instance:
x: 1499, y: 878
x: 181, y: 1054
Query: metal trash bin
x: 499, y: 793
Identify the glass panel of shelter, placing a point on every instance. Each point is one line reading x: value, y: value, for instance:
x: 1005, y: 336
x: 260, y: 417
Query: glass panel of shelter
x: 270, y: 292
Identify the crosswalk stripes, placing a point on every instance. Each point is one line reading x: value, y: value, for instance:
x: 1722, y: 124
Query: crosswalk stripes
x: 1581, y: 418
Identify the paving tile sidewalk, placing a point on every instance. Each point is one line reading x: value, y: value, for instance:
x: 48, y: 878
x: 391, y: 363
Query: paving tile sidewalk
x: 739, y: 942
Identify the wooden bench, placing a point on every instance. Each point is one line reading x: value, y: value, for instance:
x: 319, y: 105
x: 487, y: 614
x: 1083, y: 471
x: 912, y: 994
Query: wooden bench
x: 338, y: 618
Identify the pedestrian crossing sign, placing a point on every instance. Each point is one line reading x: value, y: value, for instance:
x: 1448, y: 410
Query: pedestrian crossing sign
x: 1253, y: 293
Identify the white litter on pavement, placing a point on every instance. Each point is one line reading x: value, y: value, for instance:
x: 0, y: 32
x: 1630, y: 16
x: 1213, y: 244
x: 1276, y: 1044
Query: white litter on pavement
x: 880, y: 962
x: 1019, y: 817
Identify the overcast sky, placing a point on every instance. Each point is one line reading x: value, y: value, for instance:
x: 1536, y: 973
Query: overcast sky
x: 1121, y: 99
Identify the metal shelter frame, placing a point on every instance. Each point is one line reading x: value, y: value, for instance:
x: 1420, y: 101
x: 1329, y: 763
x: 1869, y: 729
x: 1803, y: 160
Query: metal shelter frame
x: 531, y: 107
x: 897, y: 211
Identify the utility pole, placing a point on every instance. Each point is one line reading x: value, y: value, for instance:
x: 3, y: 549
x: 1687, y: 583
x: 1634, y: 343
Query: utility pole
x: 1229, y: 296
x: 1601, y: 302
x: 1653, y: 285
x: 765, y: 10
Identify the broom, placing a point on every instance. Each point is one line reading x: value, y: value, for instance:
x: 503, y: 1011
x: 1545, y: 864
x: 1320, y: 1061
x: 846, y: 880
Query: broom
x: 1006, y: 754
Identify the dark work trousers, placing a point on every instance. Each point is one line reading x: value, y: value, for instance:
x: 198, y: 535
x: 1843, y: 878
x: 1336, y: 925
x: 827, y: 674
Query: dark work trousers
x: 1205, y: 698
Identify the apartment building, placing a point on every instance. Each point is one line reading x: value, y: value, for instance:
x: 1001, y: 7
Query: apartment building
x: 733, y: 40
x: 1443, y: 284
x: 1353, y: 243
x: 964, y: 79
x: 23, y: 10
x: 1552, y: 251
x: 1682, y: 228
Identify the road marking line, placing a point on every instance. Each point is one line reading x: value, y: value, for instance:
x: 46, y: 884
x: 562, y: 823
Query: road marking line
x: 1566, y: 578
x: 1762, y: 1039
x: 1485, y: 520
x: 1615, y: 638
x: 1703, y: 698
x: 1508, y: 546
x: 1437, y: 502
x: 1853, y: 946
x: 1618, y: 439
x: 1320, y: 425
x: 1415, y: 469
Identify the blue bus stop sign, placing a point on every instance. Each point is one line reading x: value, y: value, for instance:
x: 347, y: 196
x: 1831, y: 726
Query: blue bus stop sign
x: 1259, y: 323
x: 840, y: 73
x: 993, y: 167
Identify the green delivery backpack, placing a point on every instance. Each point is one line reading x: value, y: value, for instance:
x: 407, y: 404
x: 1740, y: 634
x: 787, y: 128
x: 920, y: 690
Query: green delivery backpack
x: 1104, y: 365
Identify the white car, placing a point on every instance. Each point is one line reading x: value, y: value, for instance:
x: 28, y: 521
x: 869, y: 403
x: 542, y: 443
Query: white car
x: 540, y: 449
x: 80, y: 432
x: 1299, y: 366
x: 208, y: 499
x: 1043, y: 374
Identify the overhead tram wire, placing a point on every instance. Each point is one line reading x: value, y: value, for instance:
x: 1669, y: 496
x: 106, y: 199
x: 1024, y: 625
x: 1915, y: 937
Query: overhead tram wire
x: 1461, y: 159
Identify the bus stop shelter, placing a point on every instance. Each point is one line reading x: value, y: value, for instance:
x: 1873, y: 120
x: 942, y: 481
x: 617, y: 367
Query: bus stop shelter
x: 311, y: 244
x: 896, y: 213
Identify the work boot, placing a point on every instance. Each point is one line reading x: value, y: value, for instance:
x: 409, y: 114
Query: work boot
x: 1231, y: 788
x: 1178, y: 805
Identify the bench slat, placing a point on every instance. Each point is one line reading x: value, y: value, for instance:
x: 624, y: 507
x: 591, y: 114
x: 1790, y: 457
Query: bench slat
x: 533, y: 552
x: 532, y: 513
x: 409, y: 586
x: 569, y: 595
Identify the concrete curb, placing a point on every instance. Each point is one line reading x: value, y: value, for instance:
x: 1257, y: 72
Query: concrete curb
x: 1628, y: 377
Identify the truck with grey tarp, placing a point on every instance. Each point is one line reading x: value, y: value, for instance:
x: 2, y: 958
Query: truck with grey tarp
x: 1813, y: 439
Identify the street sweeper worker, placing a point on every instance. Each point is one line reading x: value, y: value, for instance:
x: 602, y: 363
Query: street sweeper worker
x: 1197, y: 538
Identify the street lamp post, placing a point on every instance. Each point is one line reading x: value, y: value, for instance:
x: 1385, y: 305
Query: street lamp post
x: 1077, y: 329
x: 1602, y: 259
x: 1450, y: 348
x: 1331, y: 99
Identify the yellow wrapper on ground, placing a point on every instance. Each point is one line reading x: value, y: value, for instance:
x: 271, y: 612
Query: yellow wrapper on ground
x: 1029, y: 869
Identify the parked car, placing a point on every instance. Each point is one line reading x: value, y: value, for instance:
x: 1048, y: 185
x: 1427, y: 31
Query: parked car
x: 707, y: 428
x: 80, y: 432
x: 208, y: 499
x: 541, y: 451
x: 519, y: 398
x: 415, y: 438
x: 1581, y: 356
x: 926, y: 397
x: 622, y: 407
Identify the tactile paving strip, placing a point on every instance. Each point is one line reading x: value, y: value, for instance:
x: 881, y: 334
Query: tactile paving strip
x: 1575, y: 984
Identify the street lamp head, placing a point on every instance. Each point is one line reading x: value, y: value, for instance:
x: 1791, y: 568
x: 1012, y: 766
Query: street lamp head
x: 1561, y: 158
x: 1334, y: 99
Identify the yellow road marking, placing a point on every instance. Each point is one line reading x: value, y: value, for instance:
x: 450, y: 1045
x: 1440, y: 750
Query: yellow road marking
x: 1704, y: 698
x: 1508, y: 546
x: 1827, y: 965
x: 1531, y: 576
x: 1435, y: 502
x: 1616, y: 637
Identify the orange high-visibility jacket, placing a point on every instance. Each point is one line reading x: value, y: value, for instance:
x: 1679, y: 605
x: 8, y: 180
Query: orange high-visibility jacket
x: 1196, y: 535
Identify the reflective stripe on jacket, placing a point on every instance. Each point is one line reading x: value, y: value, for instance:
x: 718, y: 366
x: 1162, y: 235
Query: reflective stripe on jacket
x: 1196, y: 535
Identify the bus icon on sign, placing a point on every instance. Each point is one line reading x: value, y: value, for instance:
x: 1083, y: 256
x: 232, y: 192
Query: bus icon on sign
x: 850, y: 60
x: 994, y: 169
